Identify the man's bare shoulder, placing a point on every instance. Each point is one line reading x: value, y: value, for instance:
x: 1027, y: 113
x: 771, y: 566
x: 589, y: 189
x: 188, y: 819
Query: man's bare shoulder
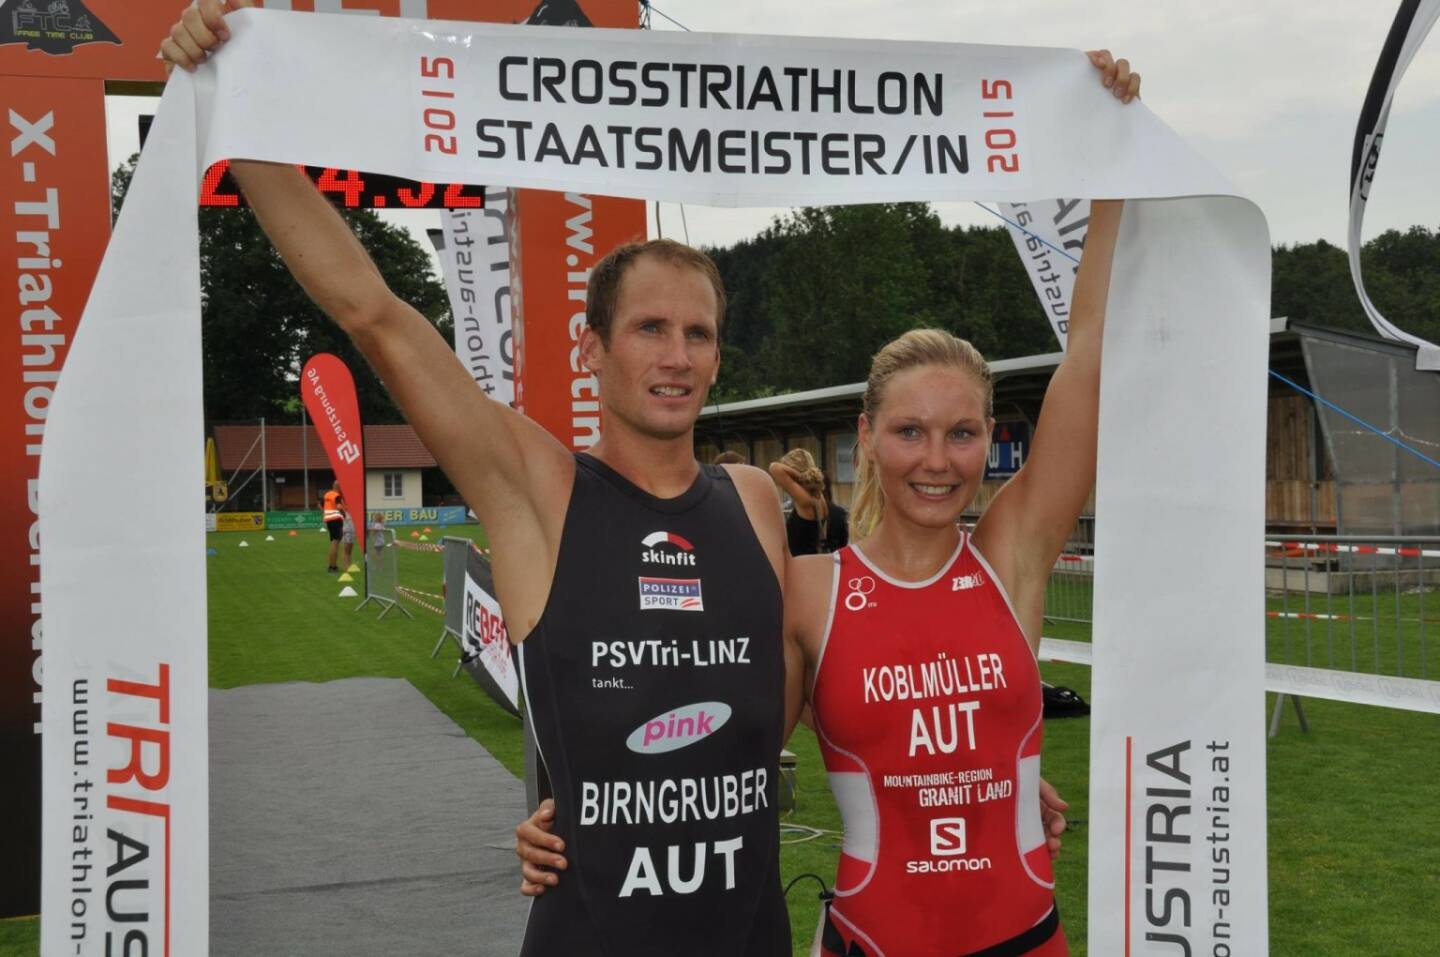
x: 757, y: 491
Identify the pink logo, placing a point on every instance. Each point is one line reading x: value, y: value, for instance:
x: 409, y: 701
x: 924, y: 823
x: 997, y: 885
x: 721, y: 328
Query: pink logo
x: 679, y: 728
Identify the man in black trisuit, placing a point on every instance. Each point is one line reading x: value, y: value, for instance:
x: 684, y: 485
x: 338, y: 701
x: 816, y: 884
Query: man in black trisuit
x: 656, y: 697
x: 655, y: 678
x: 645, y: 591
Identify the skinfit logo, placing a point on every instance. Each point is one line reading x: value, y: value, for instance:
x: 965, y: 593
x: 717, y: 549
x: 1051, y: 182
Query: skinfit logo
x: 680, y: 728
x: 667, y: 548
x: 675, y: 594
x: 56, y: 27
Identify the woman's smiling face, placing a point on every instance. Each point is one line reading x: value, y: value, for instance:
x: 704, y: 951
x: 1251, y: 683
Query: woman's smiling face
x: 929, y: 441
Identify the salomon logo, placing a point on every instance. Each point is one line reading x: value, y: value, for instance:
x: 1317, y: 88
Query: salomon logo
x: 947, y: 836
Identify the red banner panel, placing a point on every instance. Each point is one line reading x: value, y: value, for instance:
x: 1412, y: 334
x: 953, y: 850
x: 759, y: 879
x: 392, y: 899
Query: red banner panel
x: 54, y: 222
x: 558, y: 238
x: 328, y: 389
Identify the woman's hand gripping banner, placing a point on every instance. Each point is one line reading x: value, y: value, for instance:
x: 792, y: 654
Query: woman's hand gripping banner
x: 724, y: 120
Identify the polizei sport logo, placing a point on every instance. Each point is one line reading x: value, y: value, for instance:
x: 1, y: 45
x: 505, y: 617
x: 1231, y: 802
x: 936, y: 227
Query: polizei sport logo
x: 675, y: 594
x: 667, y: 548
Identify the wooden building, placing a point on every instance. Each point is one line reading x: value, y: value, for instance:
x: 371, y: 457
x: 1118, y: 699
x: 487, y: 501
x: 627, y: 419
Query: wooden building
x: 289, y: 462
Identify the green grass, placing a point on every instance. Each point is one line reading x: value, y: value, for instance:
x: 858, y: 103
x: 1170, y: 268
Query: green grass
x: 1352, y: 854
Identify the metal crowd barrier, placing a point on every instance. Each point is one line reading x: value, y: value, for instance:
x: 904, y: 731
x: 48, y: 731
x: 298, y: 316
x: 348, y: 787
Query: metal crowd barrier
x: 1353, y: 603
x: 382, y: 572
x: 1353, y: 618
x: 453, y: 562
x: 1072, y: 583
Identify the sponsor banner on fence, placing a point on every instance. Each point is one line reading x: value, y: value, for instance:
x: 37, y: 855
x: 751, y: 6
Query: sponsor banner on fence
x: 442, y: 515
x: 484, y: 637
x: 239, y: 521
x: 308, y: 518
x: 811, y: 122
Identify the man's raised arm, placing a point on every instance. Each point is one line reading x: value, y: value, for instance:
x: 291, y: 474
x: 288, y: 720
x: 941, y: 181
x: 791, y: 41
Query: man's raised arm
x: 497, y: 458
x: 514, y: 475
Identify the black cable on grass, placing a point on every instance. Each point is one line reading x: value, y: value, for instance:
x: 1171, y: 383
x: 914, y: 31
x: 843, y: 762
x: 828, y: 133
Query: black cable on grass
x: 814, y: 877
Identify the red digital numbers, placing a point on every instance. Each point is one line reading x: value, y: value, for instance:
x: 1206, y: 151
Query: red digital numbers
x: 455, y: 198
x: 416, y: 198
x: 352, y: 189
x: 213, y: 190
x: 438, y: 118
x: 1000, y: 139
x: 344, y: 182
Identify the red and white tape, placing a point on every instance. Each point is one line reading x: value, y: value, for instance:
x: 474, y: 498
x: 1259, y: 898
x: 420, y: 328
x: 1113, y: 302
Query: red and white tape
x: 421, y: 546
x: 410, y: 596
x: 1335, y: 547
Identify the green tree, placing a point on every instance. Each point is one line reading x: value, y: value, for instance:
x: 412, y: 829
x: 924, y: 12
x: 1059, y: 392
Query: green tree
x: 814, y: 296
x: 844, y: 280
x: 258, y: 327
x: 1311, y: 282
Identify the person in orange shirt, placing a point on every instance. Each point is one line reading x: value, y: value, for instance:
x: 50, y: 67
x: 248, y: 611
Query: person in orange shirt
x: 334, y: 515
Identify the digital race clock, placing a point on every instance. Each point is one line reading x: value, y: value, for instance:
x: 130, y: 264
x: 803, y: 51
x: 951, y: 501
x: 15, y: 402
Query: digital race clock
x: 353, y: 189
x: 349, y: 188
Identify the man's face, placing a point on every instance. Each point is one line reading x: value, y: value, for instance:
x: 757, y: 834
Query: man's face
x: 663, y: 353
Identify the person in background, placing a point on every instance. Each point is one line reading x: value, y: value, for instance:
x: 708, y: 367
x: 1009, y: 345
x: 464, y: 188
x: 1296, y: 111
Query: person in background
x: 729, y: 458
x: 333, y: 509
x: 376, y: 528
x: 837, y: 526
x: 347, y: 539
x: 805, y: 526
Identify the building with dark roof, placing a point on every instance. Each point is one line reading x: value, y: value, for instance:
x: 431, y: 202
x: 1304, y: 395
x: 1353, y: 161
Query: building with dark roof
x: 284, y: 466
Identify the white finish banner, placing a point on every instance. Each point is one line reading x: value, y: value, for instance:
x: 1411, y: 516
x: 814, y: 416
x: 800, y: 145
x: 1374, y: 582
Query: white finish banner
x: 475, y: 257
x: 1408, y: 31
x: 1050, y: 236
x: 701, y: 119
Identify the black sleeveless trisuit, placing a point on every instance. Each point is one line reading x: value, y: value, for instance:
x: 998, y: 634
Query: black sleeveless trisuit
x: 654, y: 685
